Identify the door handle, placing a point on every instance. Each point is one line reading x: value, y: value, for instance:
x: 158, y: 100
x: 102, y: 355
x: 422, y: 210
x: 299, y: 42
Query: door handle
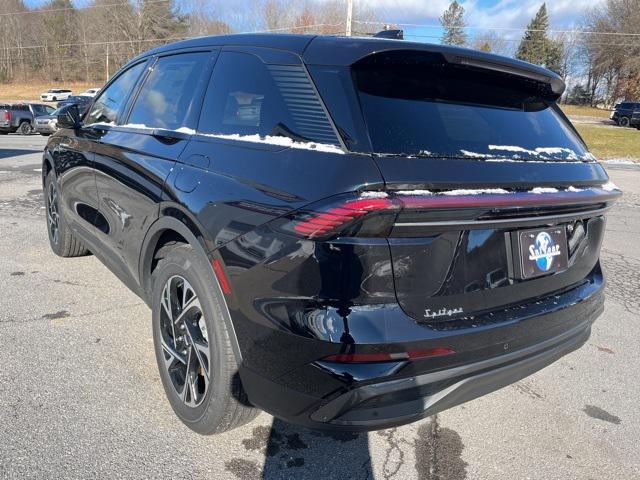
x: 164, y: 134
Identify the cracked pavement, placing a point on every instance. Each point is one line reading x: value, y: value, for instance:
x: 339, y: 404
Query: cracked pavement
x: 80, y: 395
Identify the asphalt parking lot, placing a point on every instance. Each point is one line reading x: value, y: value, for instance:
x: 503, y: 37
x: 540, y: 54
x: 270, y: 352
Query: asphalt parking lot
x: 80, y: 395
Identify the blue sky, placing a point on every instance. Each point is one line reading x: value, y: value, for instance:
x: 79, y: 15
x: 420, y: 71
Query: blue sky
x: 482, y: 15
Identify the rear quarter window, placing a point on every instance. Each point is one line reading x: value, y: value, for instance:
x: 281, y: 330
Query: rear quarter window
x: 248, y: 97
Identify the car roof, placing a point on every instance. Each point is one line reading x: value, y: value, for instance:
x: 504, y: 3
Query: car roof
x: 341, y: 50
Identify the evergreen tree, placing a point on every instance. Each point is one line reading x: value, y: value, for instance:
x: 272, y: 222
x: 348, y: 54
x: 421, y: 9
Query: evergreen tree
x: 160, y: 20
x: 536, y: 47
x: 452, y: 21
x: 555, y: 50
x: 60, y: 27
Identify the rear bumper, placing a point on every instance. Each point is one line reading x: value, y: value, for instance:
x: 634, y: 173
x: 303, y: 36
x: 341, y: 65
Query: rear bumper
x: 389, y: 394
x: 447, y: 388
x: 45, y: 129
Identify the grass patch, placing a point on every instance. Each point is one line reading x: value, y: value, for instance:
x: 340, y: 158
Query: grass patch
x: 611, y: 142
x: 584, y: 110
x: 12, y: 92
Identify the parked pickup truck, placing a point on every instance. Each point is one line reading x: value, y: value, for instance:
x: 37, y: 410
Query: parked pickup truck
x: 20, y: 117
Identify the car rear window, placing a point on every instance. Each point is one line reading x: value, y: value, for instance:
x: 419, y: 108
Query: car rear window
x: 419, y: 104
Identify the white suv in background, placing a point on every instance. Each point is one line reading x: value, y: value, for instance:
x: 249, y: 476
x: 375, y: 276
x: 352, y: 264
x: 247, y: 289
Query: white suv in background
x: 91, y: 92
x: 55, y: 95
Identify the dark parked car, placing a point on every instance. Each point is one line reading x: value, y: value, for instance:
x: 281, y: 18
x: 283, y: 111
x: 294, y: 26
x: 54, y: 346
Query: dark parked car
x: 623, y: 112
x: 20, y: 117
x: 82, y: 101
x: 347, y: 233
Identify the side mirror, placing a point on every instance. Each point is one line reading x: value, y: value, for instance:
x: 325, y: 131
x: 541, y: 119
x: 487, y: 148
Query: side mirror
x: 69, y: 117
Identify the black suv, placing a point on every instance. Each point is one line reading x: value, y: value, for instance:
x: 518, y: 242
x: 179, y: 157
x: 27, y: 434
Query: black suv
x: 348, y: 233
x: 623, y: 113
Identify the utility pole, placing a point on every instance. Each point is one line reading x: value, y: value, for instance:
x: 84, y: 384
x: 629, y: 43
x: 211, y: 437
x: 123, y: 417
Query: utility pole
x: 349, y: 17
x: 107, y: 65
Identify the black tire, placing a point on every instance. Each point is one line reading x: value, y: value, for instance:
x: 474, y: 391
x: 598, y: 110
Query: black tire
x: 25, y: 128
x: 215, y: 402
x: 623, y: 121
x: 62, y: 240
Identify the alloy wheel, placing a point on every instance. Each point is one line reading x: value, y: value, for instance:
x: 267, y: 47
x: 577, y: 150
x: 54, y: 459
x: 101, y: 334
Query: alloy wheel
x: 185, y: 342
x: 53, y: 217
x: 25, y: 128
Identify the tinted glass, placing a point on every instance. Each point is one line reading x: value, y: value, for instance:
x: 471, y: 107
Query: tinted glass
x: 247, y: 97
x: 166, y: 98
x: 421, y: 105
x: 40, y: 109
x: 106, y: 107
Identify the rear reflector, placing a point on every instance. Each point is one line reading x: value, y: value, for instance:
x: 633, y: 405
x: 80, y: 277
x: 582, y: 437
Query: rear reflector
x: 222, y: 277
x: 7, y: 115
x: 387, y: 357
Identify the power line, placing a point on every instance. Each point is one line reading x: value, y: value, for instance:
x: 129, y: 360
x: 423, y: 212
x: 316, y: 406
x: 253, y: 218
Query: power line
x: 515, y: 29
x: 435, y: 37
x: 166, y: 39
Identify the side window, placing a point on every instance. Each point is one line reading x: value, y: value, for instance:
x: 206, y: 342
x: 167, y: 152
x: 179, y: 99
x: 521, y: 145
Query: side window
x: 166, y: 98
x: 247, y: 97
x: 106, y: 107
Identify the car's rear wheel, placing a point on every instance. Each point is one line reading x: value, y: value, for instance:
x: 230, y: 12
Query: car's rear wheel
x: 623, y: 121
x: 193, y: 349
x: 62, y: 240
x: 25, y: 128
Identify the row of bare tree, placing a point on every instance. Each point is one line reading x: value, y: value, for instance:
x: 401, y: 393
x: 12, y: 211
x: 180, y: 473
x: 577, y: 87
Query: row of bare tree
x: 611, y: 60
x: 60, y: 43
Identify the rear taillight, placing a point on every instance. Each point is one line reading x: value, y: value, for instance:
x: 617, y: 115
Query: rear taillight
x: 338, y: 215
x: 373, y: 214
x: 7, y: 115
x: 388, y: 357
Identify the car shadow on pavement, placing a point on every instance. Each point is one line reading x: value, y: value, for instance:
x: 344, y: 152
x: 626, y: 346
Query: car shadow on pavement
x: 294, y: 451
x: 15, y: 152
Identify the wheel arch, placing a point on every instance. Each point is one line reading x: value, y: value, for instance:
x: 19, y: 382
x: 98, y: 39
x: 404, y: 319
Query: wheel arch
x: 175, y: 223
x: 47, y: 165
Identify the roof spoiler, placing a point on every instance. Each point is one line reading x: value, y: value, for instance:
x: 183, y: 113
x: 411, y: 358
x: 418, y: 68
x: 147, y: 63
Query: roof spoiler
x: 545, y: 76
x: 324, y: 50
